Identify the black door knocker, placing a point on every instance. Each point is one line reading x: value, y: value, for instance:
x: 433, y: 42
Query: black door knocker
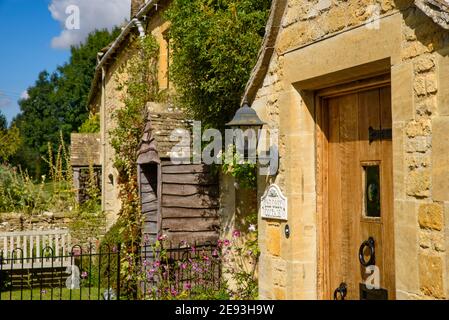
x: 341, y: 292
x: 372, y: 255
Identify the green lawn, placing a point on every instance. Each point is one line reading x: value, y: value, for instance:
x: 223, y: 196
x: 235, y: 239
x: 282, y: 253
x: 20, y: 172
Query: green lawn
x: 58, y: 294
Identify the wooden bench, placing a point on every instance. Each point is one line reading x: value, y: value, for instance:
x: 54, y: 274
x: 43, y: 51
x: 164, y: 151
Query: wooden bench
x: 35, y: 249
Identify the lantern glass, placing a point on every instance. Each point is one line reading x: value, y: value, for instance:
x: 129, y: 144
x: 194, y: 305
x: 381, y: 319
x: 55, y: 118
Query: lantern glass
x: 247, y: 120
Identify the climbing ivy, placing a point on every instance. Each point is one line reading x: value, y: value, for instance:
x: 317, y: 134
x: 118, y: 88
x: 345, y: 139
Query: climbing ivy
x: 139, y: 86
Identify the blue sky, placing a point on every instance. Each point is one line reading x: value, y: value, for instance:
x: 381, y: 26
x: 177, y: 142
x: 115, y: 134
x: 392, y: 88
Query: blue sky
x: 33, y: 38
x: 26, y: 30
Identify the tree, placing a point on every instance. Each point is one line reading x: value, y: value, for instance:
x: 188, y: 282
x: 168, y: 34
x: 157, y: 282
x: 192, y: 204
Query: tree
x: 57, y: 103
x: 3, y: 122
x: 215, y: 45
x: 9, y: 139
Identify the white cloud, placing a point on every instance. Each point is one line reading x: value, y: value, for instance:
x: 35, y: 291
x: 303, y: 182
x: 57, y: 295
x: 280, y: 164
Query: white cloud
x: 24, y: 95
x: 93, y: 14
x: 4, y: 102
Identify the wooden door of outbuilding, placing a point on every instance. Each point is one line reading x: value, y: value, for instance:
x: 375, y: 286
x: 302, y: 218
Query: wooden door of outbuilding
x: 180, y: 201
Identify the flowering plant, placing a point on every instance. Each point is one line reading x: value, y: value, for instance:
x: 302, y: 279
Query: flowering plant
x: 240, y: 260
x: 245, y: 172
x: 226, y: 270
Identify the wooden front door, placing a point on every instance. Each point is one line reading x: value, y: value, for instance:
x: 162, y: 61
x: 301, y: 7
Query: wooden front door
x: 359, y: 193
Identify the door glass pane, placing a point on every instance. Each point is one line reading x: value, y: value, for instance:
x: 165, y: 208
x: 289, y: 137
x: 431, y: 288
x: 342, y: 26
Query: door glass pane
x: 372, y: 190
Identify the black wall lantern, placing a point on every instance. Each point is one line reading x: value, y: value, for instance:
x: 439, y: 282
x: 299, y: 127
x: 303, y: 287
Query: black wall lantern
x: 247, y: 120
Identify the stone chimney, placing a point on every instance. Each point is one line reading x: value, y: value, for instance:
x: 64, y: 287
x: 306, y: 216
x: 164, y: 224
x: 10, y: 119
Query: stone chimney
x: 135, y: 6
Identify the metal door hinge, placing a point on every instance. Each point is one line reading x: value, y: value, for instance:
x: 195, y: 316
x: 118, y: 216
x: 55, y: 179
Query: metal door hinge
x: 382, y: 134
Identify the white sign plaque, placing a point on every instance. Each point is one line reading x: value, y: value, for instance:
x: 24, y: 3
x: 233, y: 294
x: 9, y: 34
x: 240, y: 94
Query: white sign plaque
x: 274, y: 204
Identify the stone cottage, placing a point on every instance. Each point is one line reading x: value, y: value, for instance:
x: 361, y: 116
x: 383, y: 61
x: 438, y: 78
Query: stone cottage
x: 359, y: 91
x: 180, y: 201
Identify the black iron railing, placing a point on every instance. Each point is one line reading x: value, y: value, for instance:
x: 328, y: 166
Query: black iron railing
x: 110, y: 272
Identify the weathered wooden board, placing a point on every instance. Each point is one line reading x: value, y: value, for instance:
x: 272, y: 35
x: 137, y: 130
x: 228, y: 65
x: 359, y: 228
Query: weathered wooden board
x: 189, y: 189
x: 145, y: 188
x: 150, y: 227
x: 149, y: 199
x: 191, y: 224
x: 150, y: 217
x: 187, y: 168
x: 192, y: 237
x: 194, y: 201
x: 189, y: 178
x: 148, y: 207
x: 189, y: 203
x: 188, y: 212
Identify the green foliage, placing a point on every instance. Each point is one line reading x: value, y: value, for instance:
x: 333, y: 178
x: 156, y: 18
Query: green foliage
x: 88, y: 221
x: 10, y: 142
x: 106, y: 268
x: 3, y: 122
x: 193, y: 274
x: 57, y: 103
x: 60, y: 188
x: 91, y: 125
x: 215, y: 45
x: 241, y: 261
x: 9, y: 139
x: 140, y: 86
x: 244, y: 172
x: 114, y: 234
x: 18, y: 193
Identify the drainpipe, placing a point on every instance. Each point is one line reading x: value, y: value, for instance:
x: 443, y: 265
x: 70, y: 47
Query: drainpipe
x: 139, y: 26
x: 103, y: 138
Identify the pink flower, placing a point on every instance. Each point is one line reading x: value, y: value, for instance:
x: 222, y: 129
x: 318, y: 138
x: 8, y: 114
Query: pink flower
x: 220, y: 243
x: 162, y: 237
x: 215, y: 253
x: 193, y: 249
x: 157, y: 264
x: 236, y: 233
x: 183, y: 266
x: 252, y: 228
x: 227, y: 242
x: 84, y: 275
x: 206, y: 258
x: 187, y: 286
x: 174, y: 293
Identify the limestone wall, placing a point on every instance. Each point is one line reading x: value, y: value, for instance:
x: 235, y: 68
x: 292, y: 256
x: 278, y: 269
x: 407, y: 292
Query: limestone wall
x: 111, y: 98
x: 322, y: 38
x: 82, y: 231
x: 10, y: 222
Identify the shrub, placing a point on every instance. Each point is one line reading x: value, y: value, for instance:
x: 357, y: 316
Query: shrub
x: 212, y: 62
x: 91, y: 125
x: 105, y: 268
x: 18, y: 193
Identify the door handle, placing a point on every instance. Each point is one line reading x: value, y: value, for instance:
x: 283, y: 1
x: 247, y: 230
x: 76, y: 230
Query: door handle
x: 370, y: 243
x: 341, y: 292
